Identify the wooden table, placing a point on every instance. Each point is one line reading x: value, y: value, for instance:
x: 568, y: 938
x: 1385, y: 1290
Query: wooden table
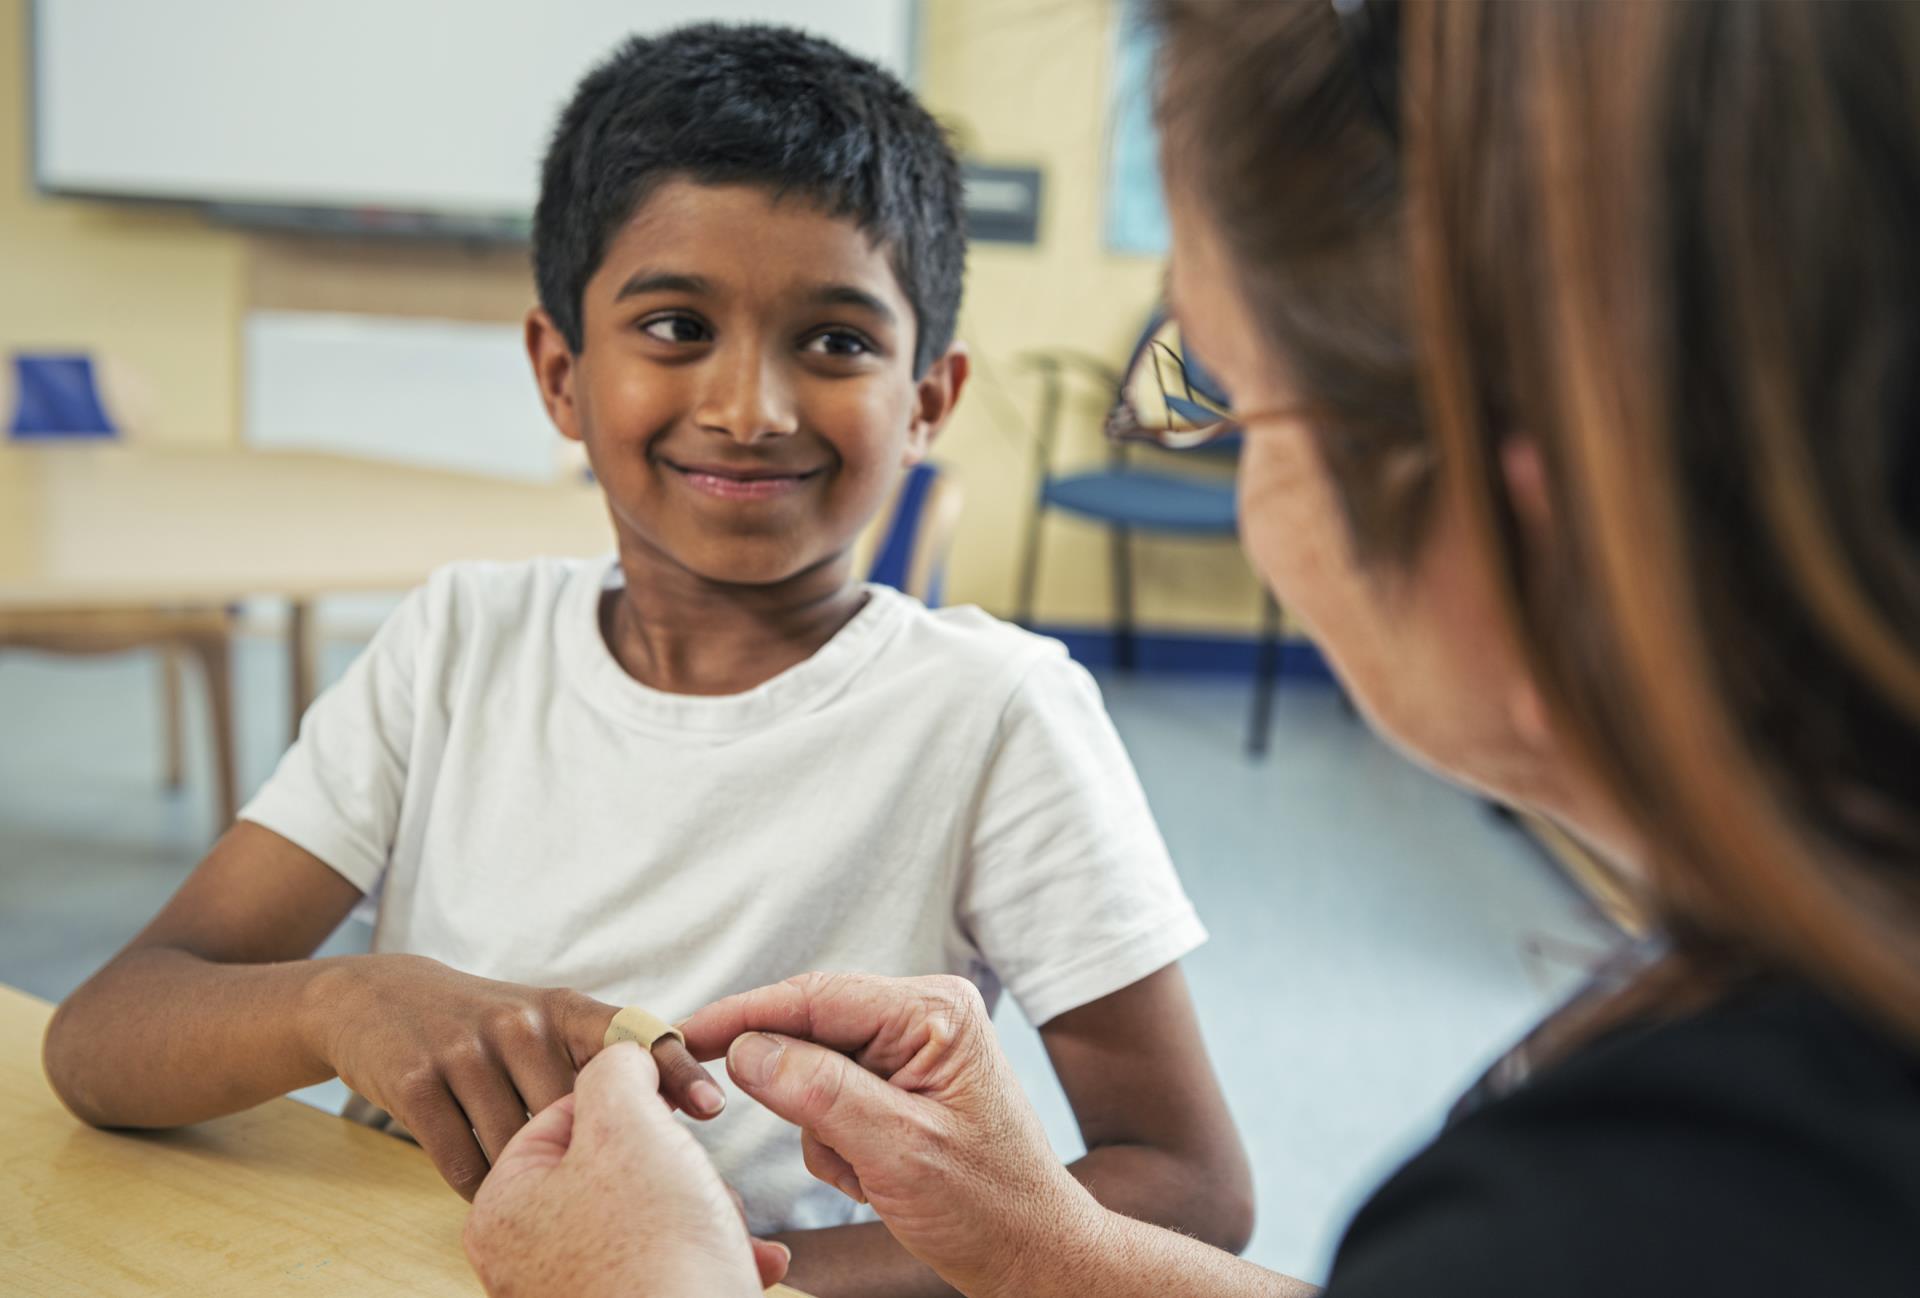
x: 120, y: 527
x: 279, y: 1199
x: 105, y: 548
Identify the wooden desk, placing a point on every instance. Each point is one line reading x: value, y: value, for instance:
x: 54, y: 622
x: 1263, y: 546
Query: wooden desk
x: 104, y: 548
x: 280, y: 1199
x: 125, y: 527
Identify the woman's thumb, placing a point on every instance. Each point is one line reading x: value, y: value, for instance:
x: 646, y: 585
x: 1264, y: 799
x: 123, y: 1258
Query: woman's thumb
x: 816, y: 1089
x: 616, y: 1098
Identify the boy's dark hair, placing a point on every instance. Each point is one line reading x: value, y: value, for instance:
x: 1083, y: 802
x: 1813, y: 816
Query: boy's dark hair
x: 760, y: 106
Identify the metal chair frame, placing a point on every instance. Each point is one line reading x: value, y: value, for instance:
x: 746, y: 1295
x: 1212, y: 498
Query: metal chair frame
x: 1055, y: 369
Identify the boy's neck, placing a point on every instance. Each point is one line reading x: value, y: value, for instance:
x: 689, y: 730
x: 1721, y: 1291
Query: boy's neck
x: 677, y: 632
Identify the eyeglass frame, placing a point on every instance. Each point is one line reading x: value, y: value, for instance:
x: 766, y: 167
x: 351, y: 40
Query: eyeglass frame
x: 1124, y: 426
x: 1371, y: 31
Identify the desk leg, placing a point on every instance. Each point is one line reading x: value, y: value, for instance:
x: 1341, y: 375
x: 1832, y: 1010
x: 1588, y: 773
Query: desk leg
x: 216, y: 661
x: 299, y: 661
x: 170, y: 686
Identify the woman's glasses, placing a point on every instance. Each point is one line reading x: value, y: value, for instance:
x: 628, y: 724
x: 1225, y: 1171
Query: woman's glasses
x: 1167, y: 399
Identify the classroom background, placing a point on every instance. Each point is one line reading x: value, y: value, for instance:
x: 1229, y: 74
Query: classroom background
x: 256, y: 385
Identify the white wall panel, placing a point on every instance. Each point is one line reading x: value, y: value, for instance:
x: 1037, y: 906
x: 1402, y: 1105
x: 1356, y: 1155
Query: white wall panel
x: 437, y: 393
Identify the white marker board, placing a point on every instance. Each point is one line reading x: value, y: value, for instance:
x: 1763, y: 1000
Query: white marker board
x: 437, y: 106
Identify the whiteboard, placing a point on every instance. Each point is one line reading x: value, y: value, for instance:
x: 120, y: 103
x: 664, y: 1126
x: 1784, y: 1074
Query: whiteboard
x: 442, y: 106
x: 445, y: 394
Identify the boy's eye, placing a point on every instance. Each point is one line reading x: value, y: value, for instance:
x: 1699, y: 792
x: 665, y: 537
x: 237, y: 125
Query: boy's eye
x: 839, y: 342
x: 675, y: 329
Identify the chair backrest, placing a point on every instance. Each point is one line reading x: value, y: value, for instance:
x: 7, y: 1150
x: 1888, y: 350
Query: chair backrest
x: 57, y: 395
x: 912, y: 554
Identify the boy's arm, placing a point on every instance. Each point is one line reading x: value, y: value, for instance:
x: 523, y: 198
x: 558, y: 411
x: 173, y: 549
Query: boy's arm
x: 214, y: 1007
x: 1161, y: 1146
x: 193, y: 1018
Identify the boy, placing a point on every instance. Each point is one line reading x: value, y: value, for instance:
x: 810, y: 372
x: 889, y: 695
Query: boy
x: 719, y: 760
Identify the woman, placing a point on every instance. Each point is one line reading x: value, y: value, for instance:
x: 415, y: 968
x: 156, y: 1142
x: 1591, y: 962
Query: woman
x: 1575, y: 348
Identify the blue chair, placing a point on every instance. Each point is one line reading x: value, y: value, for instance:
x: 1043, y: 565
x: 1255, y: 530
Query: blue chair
x: 1127, y: 498
x: 56, y: 396
x: 912, y: 554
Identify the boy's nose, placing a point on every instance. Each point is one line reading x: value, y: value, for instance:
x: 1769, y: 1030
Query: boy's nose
x: 746, y: 398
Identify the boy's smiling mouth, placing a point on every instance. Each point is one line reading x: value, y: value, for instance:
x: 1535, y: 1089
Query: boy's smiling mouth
x: 731, y: 482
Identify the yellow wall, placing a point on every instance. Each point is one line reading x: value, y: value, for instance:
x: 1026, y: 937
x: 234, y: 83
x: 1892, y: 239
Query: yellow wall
x: 1026, y: 81
x: 158, y: 291
x: 1019, y: 81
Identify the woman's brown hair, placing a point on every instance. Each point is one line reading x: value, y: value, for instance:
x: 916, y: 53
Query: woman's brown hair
x: 1305, y: 187
x: 1677, y: 247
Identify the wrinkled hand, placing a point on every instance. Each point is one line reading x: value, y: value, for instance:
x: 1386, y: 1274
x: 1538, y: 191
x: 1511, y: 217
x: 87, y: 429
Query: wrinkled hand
x: 462, y: 1061
x: 905, y: 1102
x: 605, y: 1193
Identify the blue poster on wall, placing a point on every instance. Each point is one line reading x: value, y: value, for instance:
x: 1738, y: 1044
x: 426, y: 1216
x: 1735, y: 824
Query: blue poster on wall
x: 1136, y: 216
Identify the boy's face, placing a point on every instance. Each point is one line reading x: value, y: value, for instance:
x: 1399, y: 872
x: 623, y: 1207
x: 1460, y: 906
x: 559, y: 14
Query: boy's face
x: 745, y: 384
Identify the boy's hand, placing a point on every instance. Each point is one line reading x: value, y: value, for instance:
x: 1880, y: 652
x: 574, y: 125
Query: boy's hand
x: 462, y: 1061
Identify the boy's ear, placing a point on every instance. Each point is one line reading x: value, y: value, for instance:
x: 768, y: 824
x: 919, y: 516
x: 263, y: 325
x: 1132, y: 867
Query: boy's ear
x: 553, y: 368
x: 935, y: 395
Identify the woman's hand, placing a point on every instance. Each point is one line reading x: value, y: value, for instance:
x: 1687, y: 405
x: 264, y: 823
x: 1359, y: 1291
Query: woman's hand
x: 462, y: 1061
x: 906, y: 1103
x: 605, y: 1193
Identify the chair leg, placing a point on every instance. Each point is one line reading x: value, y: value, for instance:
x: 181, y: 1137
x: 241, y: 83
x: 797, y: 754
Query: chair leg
x: 216, y: 664
x: 170, y: 719
x: 1029, y: 569
x: 1123, y: 644
x: 300, y: 662
x: 1266, y: 673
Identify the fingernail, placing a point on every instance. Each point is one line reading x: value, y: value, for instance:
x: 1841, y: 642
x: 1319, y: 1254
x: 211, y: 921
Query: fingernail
x: 706, y: 1097
x: 850, y: 1186
x: 786, y: 1254
x: 753, y: 1058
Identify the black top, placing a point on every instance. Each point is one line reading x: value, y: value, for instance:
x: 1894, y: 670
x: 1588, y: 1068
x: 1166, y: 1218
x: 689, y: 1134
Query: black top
x: 1768, y: 1145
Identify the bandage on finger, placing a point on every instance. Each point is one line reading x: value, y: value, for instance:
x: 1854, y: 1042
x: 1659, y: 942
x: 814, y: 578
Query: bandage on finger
x: 635, y: 1024
x: 684, y: 1084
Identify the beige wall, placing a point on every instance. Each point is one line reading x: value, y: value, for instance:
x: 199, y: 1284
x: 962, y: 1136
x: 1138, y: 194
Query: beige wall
x: 1026, y: 81
x: 159, y: 291
x: 1019, y: 81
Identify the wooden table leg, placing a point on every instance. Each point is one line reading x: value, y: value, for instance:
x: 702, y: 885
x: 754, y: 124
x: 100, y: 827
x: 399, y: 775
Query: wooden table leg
x: 300, y: 661
x: 174, y: 733
x: 215, y: 653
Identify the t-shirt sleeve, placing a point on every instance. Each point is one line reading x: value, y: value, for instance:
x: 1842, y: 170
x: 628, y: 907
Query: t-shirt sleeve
x: 337, y: 791
x: 1069, y: 893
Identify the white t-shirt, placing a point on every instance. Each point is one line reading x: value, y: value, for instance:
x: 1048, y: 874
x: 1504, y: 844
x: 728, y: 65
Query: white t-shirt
x: 930, y: 792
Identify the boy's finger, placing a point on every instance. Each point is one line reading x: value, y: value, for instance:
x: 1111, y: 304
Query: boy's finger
x: 442, y: 1129
x: 583, y: 1025
x: 684, y: 1083
x: 492, y: 1106
x: 542, y: 1075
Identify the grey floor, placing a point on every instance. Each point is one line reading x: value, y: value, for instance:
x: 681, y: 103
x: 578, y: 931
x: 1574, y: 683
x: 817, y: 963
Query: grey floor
x: 1377, y: 938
